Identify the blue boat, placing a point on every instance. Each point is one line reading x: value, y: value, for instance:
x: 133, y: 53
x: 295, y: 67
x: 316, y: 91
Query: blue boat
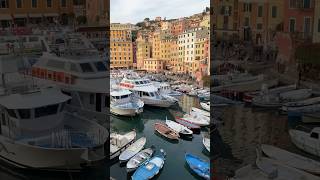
x: 150, y: 168
x: 199, y: 166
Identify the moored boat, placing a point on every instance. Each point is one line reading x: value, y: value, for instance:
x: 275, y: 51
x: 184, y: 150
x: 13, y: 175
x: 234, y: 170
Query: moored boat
x: 182, y: 130
x: 197, y: 119
x: 291, y: 159
x: 119, y: 142
x: 193, y: 127
x: 205, y: 105
x: 123, y: 103
x: 132, y: 150
x: 200, y: 111
x: 307, y: 141
x: 206, y: 142
x: 139, y: 159
x: 150, y: 168
x: 165, y: 131
x: 199, y: 166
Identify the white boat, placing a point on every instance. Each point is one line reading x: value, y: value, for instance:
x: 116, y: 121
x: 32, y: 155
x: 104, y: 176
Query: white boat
x: 147, y: 92
x: 165, y: 89
x: 205, y: 113
x: 124, y: 103
x: 302, y: 109
x: 182, y: 130
x: 37, y: 132
x: 139, y: 159
x: 307, y: 141
x: 277, y: 170
x: 204, y: 96
x: 196, y: 119
x: 306, y: 102
x: 295, y: 95
x: 119, y: 142
x: 205, y: 106
x: 200, y: 116
x: 291, y: 159
x: 75, y: 66
x: 132, y: 150
x: 206, y: 142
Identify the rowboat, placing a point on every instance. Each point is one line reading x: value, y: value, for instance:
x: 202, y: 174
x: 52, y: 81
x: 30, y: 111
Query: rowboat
x: 165, y: 131
x: 205, y: 106
x: 189, y: 125
x: 132, y: 150
x: 276, y: 170
x: 197, y: 119
x: 139, y: 159
x: 179, y: 128
x: 199, y: 166
x: 206, y: 142
x: 291, y: 159
x: 119, y: 142
x: 150, y: 168
x: 200, y: 111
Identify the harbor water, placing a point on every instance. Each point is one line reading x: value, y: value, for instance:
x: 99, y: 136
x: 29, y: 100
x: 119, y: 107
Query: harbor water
x: 175, y: 166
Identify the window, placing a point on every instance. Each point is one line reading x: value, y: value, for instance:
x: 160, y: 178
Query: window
x: 49, y: 3
x: 246, y: 21
x: 86, y: 67
x: 34, y: 3
x: 307, y: 4
x: 11, y: 113
x: 260, y: 11
x: 274, y: 11
x: 46, y: 110
x: 24, y: 113
x: 91, y: 100
x: 19, y: 3
x: 314, y: 135
x: 4, y: 3
x: 318, y: 25
x: 63, y: 3
x: 259, y: 26
x: 292, y: 25
x: 100, y: 66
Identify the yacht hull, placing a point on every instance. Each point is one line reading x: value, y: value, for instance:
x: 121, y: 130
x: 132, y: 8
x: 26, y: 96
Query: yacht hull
x: 125, y: 112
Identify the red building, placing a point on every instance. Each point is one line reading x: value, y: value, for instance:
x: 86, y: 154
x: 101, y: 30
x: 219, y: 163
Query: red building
x: 297, y: 30
x: 178, y: 27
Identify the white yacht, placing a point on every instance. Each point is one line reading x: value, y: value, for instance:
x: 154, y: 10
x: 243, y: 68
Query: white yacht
x: 77, y: 68
x: 147, y: 92
x: 124, y: 103
x: 37, y: 132
x: 165, y: 89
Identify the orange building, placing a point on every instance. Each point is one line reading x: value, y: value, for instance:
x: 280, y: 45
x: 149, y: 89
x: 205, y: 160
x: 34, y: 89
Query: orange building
x: 154, y: 65
x: 143, y: 51
x: 96, y: 12
x: 21, y: 12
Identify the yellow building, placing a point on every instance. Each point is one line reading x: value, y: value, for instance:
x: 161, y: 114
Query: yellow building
x: 156, y: 45
x: 153, y: 65
x: 121, y: 51
x: 143, y: 52
x: 205, y: 21
x: 276, y: 14
x: 316, y: 26
x: 21, y: 12
x: 165, y: 51
x: 176, y: 66
x: 226, y: 20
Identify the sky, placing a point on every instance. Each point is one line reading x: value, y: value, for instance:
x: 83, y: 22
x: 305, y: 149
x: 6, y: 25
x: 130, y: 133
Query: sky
x: 133, y: 11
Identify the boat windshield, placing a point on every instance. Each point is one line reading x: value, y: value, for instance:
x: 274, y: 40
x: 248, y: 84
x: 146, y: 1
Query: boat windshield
x: 46, y: 110
x: 100, y: 66
x: 86, y: 67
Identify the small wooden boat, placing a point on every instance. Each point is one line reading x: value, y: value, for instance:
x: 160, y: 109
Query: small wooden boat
x: 307, y: 141
x: 119, y: 142
x: 200, y: 111
x: 150, y: 168
x: 199, y: 166
x: 189, y: 125
x: 206, y: 142
x: 205, y: 106
x: 291, y: 159
x: 181, y: 129
x: 165, y: 131
x: 132, y: 150
x: 139, y: 159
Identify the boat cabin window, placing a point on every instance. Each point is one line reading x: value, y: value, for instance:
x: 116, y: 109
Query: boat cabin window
x: 46, y: 110
x: 145, y: 94
x: 141, y: 82
x: 24, y: 113
x: 100, y: 66
x: 11, y: 113
x: 124, y: 96
x: 151, y: 94
x: 137, y: 82
x: 314, y: 135
x: 86, y: 67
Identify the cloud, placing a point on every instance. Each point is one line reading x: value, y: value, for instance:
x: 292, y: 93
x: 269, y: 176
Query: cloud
x: 133, y: 11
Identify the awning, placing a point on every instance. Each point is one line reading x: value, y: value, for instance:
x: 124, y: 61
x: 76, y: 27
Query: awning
x: 35, y: 15
x: 50, y: 14
x: 5, y: 17
x: 20, y: 16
